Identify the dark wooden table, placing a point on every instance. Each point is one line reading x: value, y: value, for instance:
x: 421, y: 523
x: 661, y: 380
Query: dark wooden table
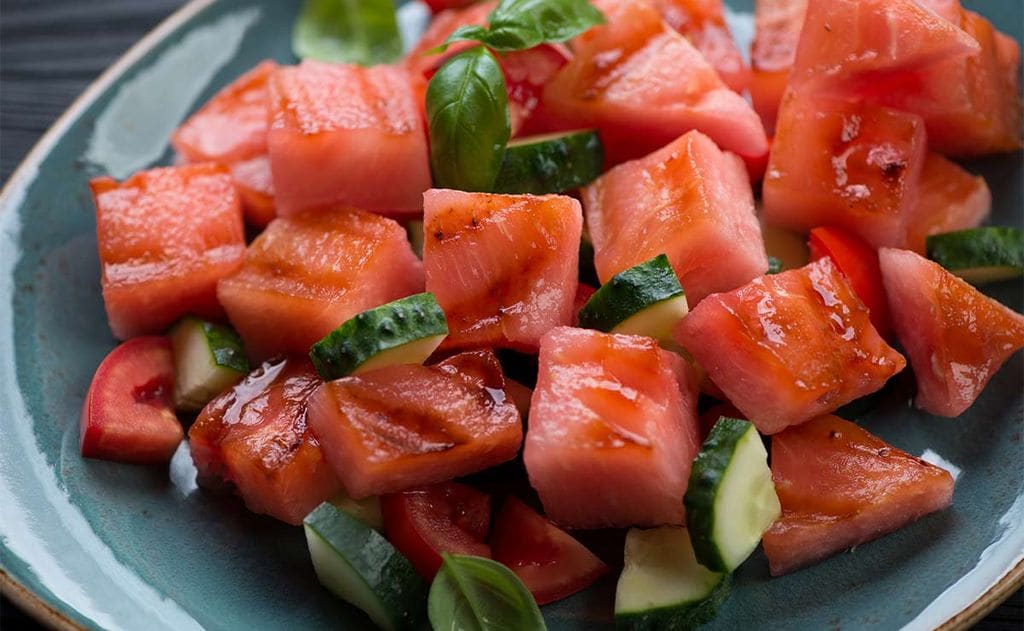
x: 50, y: 50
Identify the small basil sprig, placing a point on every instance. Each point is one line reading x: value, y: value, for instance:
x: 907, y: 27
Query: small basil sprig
x: 477, y: 594
x: 468, y: 119
x: 522, y: 24
x: 348, y: 31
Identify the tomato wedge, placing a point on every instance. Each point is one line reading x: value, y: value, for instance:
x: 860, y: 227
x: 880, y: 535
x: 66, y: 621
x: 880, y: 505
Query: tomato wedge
x: 128, y: 415
x: 448, y: 517
x: 550, y: 562
x: 858, y: 261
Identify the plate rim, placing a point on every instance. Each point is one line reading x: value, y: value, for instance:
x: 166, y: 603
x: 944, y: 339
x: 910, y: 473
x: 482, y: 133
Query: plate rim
x: 50, y: 614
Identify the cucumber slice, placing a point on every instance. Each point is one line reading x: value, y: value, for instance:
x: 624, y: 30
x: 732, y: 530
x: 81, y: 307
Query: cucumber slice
x: 414, y: 231
x: 730, y: 500
x: 774, y: 265
x: 405, y: 331
x: 642, y: 300
x: 662, y: 585
x: 552, y: 163
x: 208, y: 359
x: 366, y: 510
x: 980, y: 255
x: 359, y: 566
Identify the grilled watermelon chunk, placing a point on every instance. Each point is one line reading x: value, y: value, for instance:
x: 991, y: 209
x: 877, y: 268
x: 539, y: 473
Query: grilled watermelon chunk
x: 166, y: 236
x: 789, y: 347
x: 503, y: 267
x: 839, y: 487
x: 688, y: 200
x: 955, y: 336
x: 255, y: 437
x: 843, y: 41
x: 405, y: 426
x: 844, y: 163
x: 339, y: 133
x: 231, y: 128
x: 616, y: 413
x: 306, y: 274
x: 971, y: 105
x: 641, y: 85
x: 703, y: 23
x: 951, y: 199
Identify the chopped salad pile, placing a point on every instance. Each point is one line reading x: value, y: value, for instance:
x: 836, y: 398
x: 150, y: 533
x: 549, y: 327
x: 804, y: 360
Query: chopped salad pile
x: 551, y: 271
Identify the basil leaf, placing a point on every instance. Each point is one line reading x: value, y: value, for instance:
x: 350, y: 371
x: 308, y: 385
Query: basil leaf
x: 473, y: 593
x: 468, y: 119
x: 348, y: 31
x: 522, y: 24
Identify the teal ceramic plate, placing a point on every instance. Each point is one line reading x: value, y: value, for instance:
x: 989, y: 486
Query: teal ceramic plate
x: 95, y: 544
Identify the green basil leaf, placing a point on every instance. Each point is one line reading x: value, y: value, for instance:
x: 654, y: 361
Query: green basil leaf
x: 476, y: 594
x: 348, y: 31
x: 468, y: 119
x: 522, y: 24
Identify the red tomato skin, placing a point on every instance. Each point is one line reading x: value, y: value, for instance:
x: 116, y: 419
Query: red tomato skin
x: 551, y: 563
x: 127, y: 415
x: 858, y: 261
x: 436, y: 6
x: 447, y: 517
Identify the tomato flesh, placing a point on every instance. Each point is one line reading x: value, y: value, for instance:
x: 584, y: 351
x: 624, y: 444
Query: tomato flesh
x: 551, y: 563
x: 128, y: 415
x: 448, y: 517
x: 858, y: 262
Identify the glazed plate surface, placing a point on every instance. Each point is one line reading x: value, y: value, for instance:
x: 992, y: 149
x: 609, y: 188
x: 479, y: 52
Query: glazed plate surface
x: 102, y: 545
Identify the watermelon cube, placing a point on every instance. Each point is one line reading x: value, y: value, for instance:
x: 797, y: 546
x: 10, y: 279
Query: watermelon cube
x: 971, y: 105
x: 346, y: 135
x: 613, y: 430
x: 255, y: 438
x: 231, y: 128
x: 688, y: 200
x: 702, y: 22
x: 642, y: 85
x: 166, y: 236
x: 503, y: 267
x: 306, y: 274
x: 789, y: 347
x: 846, y: 164
x: 839, y: 487
x: 951, y: 199
x: 406, y: 426
x: 955, y: 336
x: 861, y: 40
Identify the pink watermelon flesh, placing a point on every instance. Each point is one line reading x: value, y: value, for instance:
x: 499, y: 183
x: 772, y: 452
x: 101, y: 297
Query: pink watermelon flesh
x: 971, y: 105
x: 688, y: 200
x: 955, y: 336
x: 642, y: 85
x: 343, y: 135
x: 612, y: 430
x: 951, y: 199
x: 789, y: 347
x: 846, y: 164
x: 503, y: 267
x: 306, y: 274
x: 839, y: 487
x: 844, y: 40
